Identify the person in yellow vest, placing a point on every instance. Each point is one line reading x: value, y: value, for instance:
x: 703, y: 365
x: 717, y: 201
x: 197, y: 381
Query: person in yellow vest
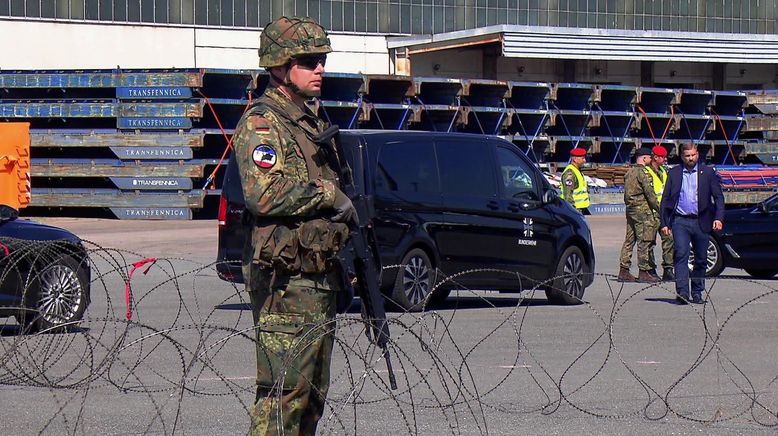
x: 659, y: 175
x: 574, y: 189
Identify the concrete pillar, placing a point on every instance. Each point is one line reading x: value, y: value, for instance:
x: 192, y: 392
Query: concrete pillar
x: 568, y: 70
x: 489, y: 62
x: 647, y: 73
x: 719, y: 76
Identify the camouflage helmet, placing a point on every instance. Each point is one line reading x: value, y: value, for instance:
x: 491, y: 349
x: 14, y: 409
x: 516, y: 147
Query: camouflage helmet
x: 285, y: 38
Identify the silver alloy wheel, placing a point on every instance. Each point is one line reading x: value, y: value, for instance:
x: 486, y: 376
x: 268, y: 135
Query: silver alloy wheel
x: 713, y: 257
x: 573, y: 275
x: 60, y: 294
x: 416, y: 280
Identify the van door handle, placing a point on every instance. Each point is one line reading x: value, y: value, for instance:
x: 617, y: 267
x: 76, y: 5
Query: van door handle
x: 493, y: 205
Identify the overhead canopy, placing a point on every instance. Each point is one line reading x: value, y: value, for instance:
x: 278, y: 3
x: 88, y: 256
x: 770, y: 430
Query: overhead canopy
x: 603, y: 44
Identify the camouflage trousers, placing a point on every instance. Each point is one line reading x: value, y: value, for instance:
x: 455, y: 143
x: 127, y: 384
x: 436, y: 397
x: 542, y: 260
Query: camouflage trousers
x: 641, y: 230
x: 667, y: 247
x: 295, y: 333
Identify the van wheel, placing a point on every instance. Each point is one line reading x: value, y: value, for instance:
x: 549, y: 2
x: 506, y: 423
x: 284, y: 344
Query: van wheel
x: 570, y: 275
x: 414, y: 282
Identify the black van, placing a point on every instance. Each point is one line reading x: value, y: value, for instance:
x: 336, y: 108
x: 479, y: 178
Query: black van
x: 447, y: 203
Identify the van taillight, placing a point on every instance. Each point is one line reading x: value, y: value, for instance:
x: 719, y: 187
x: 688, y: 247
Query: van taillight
x: 222, y: 210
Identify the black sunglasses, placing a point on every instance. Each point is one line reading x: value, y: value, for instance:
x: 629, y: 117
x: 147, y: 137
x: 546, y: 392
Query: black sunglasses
x: 311, y: 62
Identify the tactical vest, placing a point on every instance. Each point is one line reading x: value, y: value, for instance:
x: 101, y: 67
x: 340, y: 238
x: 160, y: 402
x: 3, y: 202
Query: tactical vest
x: 580, y: 193
x: 659, y: 181
x: 289, y: 245
x: 316, y: 160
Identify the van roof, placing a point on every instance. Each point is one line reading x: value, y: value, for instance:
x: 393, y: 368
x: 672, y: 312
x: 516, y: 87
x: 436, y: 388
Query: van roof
x: 378, y: 132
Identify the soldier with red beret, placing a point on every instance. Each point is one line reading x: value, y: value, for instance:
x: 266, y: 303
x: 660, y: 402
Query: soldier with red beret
x: 659, y: 175
x: 574, y: 189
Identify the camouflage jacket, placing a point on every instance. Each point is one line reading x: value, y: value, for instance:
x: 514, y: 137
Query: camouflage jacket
x: 281, y: 168
x: 568, y: 183
x: 639, y: 196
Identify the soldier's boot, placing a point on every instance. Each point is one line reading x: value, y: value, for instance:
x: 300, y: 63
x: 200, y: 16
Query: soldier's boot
x: 669, y: 275
x: 625, y: 276
x: 648, y: 277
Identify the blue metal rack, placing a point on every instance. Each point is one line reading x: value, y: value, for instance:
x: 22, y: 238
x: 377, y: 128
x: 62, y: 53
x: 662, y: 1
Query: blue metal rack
x: 153, y: 135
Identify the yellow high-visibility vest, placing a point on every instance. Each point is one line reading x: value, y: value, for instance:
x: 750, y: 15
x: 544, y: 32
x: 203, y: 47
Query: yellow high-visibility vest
x: 581, y: 193
x: 659, y: 181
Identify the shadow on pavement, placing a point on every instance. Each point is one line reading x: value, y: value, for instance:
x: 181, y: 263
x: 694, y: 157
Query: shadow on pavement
x: 451, y: 303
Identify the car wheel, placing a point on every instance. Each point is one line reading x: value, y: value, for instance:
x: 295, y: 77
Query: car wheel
x: 568, y: 285
x: 57, y: 296
x: 414, y: 281
x: 761, y: 273
x: 715, y: 263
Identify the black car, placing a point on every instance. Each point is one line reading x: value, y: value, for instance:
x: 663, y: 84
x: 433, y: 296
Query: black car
x: 44, y: 274
x: 749, y: 240
x: 451, y: 203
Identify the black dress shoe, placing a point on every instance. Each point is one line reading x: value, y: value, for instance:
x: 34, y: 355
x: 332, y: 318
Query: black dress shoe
x: 697, y: 299
x: 681, y: 300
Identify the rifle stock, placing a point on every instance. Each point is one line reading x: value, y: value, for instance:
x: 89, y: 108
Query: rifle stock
x: 363, y: 253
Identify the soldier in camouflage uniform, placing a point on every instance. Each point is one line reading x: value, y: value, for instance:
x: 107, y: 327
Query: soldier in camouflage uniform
x: 574, y: 189
x: 641, y: 204
x: 659, y: 178
x: 295, y: 215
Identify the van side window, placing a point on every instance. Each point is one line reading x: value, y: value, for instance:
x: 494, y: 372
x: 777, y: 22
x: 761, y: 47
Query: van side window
x: 406, y: 167
x: 516, y: 175
x: 466, y: 168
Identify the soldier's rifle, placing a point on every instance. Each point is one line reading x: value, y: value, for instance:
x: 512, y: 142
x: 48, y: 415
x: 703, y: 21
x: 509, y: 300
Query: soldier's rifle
x: 362, y: 251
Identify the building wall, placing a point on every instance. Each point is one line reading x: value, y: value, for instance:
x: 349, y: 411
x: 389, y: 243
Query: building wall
x: 459, y: 63
x: 53, y: 45
x: 468, y: 63
x: 421, y: 17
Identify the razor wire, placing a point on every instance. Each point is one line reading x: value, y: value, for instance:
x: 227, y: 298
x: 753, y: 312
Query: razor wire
x: 178, y: 350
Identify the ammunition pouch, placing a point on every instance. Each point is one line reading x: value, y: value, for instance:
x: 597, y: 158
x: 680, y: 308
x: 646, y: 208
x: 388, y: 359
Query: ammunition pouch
x: 320, y: 241
x: 276, y: 247
x: 310, y: 247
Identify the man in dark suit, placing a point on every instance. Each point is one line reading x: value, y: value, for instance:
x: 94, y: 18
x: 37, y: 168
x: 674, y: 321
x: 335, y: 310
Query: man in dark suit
x: 692, y: 206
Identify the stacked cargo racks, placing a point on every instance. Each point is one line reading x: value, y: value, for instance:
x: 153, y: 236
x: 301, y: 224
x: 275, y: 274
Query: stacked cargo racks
x: 149, y: 143
x: 761, y: 127
x: 133, y: 144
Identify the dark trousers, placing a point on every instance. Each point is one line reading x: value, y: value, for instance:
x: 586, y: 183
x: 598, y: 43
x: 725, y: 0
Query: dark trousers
x: 686, y: 231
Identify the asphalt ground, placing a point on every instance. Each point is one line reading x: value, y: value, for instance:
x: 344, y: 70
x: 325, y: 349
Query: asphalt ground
x: 628, y: 361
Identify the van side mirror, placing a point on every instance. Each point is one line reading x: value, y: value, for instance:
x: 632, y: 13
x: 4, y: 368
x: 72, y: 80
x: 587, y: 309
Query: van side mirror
x: 550, y: 197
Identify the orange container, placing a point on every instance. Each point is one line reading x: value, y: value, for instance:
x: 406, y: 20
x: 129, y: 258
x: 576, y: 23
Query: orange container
x: 15, y: 164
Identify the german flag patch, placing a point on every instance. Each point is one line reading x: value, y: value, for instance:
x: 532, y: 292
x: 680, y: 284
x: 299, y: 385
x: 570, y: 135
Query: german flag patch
x: 261, y: 125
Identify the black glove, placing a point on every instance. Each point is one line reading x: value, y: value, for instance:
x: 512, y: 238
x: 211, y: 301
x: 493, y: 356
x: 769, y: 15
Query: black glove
x: 344, y: 209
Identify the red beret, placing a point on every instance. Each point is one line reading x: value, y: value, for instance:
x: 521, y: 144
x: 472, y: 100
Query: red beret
x: 578, y: 152
x: 659, y: 151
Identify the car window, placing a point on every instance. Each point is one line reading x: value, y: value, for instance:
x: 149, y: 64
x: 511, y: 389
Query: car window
x: 466, y: 168
x: 516, y: 175
x: 407, y: 166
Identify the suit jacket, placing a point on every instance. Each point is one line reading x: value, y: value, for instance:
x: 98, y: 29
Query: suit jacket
x: 710, y: 199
